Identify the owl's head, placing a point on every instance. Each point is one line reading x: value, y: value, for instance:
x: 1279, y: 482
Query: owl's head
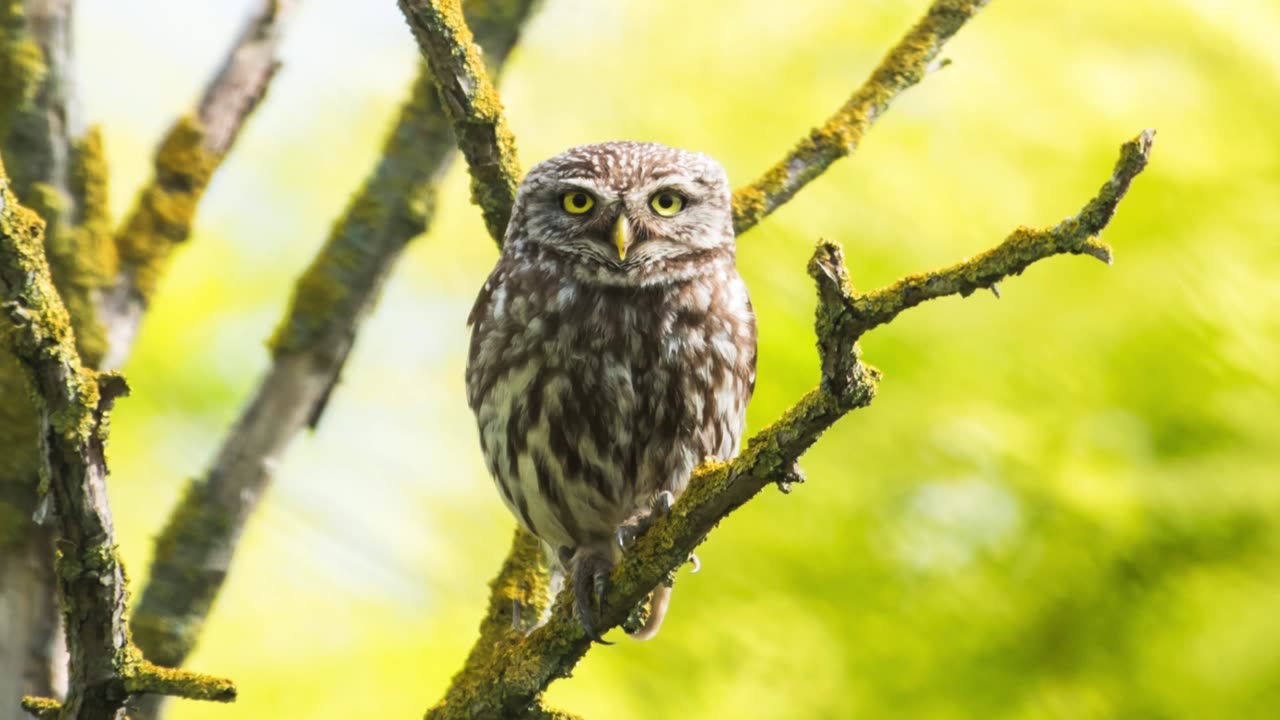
x: 626, y: 213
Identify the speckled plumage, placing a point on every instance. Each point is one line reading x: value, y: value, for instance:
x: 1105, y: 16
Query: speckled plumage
x: 599, y: 383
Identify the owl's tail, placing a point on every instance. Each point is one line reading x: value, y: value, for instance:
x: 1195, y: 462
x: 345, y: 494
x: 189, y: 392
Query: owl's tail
x: 659, y: 599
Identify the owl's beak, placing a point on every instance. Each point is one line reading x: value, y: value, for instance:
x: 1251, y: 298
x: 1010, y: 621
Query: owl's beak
x: 622, y: 236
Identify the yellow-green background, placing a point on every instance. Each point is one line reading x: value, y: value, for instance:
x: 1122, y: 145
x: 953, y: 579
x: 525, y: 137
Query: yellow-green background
x: 1063, y: 504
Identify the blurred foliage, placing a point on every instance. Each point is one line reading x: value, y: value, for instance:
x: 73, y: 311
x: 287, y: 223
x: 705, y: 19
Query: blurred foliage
x: 1063, y: 504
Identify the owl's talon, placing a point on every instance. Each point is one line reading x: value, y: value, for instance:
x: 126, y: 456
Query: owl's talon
x: 664, y: 502
x: 695, y: 562
x: 601, y: 585
x: 590, y: 582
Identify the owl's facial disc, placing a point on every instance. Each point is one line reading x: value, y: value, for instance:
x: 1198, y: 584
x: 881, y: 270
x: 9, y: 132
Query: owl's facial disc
x: 627, y: 213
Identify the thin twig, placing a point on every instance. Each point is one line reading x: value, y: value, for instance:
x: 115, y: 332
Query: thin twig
x: 902, y: 67
x: 188, y: 156
x: 1075, y: 235
x: 73, y: 403
x: 331, y: 300
x: 471, y: 103
x: 529, y: 664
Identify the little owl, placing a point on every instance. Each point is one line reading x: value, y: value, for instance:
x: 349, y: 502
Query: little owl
x: 613, y: 349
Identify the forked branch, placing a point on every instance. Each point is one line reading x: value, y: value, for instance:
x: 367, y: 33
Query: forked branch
x: 506, y: 671
x: 487, y: 143
x: 164, y: 211
x: 522, y: 667
x: 73, y: 403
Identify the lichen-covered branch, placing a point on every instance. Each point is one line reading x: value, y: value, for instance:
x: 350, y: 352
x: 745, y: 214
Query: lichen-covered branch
x: 1076, y: 235
x: 471, y: 103
x: 39, y: 115
x: 902, y: 67
x: 518, y: 596
x: 309, y: 348
x: 40, y: 127
x: 487, y: 143
x: 527, y: 665
x: 72, y: 404
x: 164, y: 211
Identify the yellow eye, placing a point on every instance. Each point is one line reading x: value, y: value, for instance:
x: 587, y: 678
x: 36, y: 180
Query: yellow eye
x: 666, y: 203
x: 577, y: 202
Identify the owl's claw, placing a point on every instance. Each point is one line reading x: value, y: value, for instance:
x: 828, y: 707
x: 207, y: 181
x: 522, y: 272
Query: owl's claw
x: 590, y: 581
x: 664, y: 502
x: 695, y: 562
x: 633, y: 528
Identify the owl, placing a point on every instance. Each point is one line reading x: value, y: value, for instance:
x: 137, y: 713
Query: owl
x: 613, y: 349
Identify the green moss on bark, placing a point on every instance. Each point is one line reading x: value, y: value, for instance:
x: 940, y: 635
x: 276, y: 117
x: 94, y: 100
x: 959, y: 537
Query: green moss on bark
x: 165, y: 210
x: 902, y: 67
x: 22, y: 65
x: 472, y: 105
x: 392, y: 207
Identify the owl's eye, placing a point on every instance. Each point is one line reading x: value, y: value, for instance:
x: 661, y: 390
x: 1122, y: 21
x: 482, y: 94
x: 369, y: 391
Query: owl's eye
x: 577, y: 202
x: 666, y: 203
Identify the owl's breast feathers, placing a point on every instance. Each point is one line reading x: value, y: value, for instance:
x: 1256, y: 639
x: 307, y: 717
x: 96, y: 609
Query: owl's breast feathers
x: 592, y: 399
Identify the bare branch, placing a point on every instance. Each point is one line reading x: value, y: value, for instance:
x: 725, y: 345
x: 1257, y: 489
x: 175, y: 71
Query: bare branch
x: 73, y: 404
x: 471, y: 103
x: 165, y: 209
x: 529, y: 664
x: 331, y: 300
x: 246, y: 72
x: 905, y: 65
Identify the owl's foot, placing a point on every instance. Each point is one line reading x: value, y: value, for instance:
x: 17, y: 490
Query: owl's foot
x: 589, y: 568
x: 637, y: 524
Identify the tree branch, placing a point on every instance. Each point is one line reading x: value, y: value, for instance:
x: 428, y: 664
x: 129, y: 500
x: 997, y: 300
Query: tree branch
x: 73, y: 403
x: 185, y: 161
x: 1075, y: 235
x: 311, y: 344
x: 476, y: 112
x: 471, y: 103
x: 529, y: 664
x: 40, y: 125
x: 905, y: 65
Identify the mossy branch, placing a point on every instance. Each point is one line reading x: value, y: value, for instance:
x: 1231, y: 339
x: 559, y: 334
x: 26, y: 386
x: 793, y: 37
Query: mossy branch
x: 522, y: 667
x: 48, y: 158
x: 73, y: 403
x: 1076, y: 235
x: 487, y: 143
x: 471, y: 103
x: 164, y: 212
x: 902, y: 67
x: 309, y: 348
x: 39, y: 115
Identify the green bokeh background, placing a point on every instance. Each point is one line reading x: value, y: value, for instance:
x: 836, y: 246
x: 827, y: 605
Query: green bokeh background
x: 1063, y: 504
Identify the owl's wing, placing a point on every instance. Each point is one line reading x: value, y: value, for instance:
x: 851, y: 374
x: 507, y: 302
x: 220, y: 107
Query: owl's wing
x: 481, y: 305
